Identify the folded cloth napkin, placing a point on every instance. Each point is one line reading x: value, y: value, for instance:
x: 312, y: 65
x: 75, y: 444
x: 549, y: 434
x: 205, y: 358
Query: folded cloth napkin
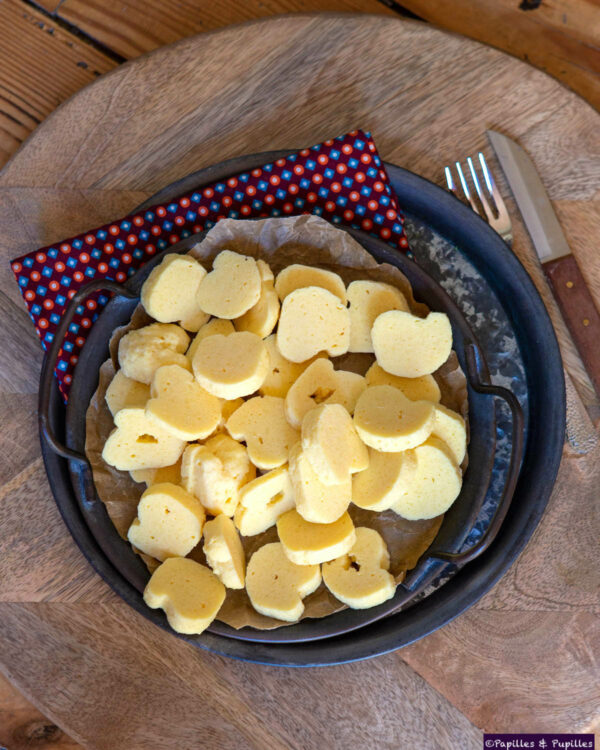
x: 342, y: 180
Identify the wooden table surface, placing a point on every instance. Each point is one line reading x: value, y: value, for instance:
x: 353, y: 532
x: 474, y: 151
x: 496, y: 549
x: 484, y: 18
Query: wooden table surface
x: 525, y: 657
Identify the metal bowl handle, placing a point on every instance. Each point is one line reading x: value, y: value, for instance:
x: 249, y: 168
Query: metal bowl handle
x: 478, y: 382
x: 49, y: 362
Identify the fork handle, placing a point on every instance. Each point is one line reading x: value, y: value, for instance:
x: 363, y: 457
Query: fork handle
x: 578, y: 310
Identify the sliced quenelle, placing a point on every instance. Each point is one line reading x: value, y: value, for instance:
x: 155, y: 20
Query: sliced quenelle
x: 388, y: 421
x: 436, y: 484
x: 332, y: 445
x: 276, y: 587
x: 144, y: 350
x: 409, y: 346
x: 297, y: 276
x: 367, y: 300
x: 312, y: 320
x: 232, y: 287
x: 190, y: 594
x: 384, y: 481
x: 306, y: 543
x: 424, y: 388
x: 224, y: 552
x: 316, y: 502
x: 361, y: 578
x: 260, y: 422
x: 169, y: 293
x: 181, y: 405
x: 169, y: 522
x: 231, y: 366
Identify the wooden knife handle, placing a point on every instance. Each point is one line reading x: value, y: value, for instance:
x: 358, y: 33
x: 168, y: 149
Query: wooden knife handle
x: 579, y: 311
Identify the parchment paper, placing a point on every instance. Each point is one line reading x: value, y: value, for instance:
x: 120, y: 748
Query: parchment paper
x: 281, y: 242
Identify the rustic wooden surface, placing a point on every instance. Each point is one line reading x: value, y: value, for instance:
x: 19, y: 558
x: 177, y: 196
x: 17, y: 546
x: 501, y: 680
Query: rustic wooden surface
x: 561, y: 37
x: 135, y: 26
x: 523, y: 658
x: 41, y: 65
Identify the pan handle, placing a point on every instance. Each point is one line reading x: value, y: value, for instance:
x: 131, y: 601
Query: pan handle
x: 49, y: 362
x: 480, y: 382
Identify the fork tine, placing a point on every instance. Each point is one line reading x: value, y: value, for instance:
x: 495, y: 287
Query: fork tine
x: 482, y: 197
x: 449, y: 179
x: 493, y: 190
x: 465, y: 188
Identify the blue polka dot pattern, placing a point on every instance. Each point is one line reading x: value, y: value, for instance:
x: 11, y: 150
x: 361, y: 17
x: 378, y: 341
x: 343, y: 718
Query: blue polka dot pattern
x: 341, y: 180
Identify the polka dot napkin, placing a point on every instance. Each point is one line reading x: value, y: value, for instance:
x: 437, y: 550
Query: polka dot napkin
x: 341, y: 180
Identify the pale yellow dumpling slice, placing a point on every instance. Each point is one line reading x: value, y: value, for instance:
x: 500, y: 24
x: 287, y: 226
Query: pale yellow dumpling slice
x: 276, y: 587
x: 260, y: 422
x: 312, y: 320
x: 450, y: 427
x: 143, y: 351
x: 232, y: 287
x: 297, y: 276
x: 263, y: 500
x: 224, y: 552
x: 387, y: 476
x: 282, y: 373
x: 313, y: 387
x: 361, y: 578
x: 321, y: 384
x: 435, y: 486
x: 331, y: 444
x: 388, y: 421
x: 190, y: 594
x: 169, y: 292
x: 264, y: 269
x: 424, y: 388
x: 231, y: 366
x: 169, y: 522
x: 409, y: 346
x: 262, y: 318
x: 124, y: 393
x: 214, y: 473
x: 195, y: 322
x: 316, y: 502
x: 227, y: 409
x: 170, y: 474
x: 182, y: 406
x: 306, y: 543
x: 349, y: 387
x: 214, y: 327
x: 234, y: 457
x: 140, y: 442
x: 367, y: 300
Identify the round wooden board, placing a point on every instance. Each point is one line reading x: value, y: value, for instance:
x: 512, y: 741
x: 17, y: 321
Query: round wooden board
x: 522, y: 658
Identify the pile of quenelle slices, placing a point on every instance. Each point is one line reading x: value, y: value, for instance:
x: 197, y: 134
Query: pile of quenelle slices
x: 254, y: 428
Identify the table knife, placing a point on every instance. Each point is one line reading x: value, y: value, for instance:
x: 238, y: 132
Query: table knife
x: 564, y: 276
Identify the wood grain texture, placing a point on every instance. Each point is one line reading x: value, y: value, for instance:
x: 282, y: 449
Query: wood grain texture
x: 221, y: 704
x: 562, y: 37
x: 578, y: 310
x: 58, y: 65
x: 137, y: 26
x: 536, y: 633
x: 283, y: 83
x: 23, y: 727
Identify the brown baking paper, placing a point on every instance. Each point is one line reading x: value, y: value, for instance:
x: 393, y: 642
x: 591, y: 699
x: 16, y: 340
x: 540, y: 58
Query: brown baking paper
x: 281, y: 242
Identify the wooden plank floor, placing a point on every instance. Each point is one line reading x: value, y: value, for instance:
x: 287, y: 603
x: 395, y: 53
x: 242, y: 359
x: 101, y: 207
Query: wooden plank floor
x: 49, y: 52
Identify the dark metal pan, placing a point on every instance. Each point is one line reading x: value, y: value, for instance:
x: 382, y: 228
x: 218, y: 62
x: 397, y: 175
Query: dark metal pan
x: 426, y: 203
x: 457, y: 522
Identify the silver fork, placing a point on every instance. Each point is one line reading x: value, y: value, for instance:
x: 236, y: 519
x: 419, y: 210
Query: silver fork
x: 489, y: 199
x: 581, y: 434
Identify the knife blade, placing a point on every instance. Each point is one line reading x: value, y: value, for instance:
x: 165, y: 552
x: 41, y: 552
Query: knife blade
x: 560, y: 267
